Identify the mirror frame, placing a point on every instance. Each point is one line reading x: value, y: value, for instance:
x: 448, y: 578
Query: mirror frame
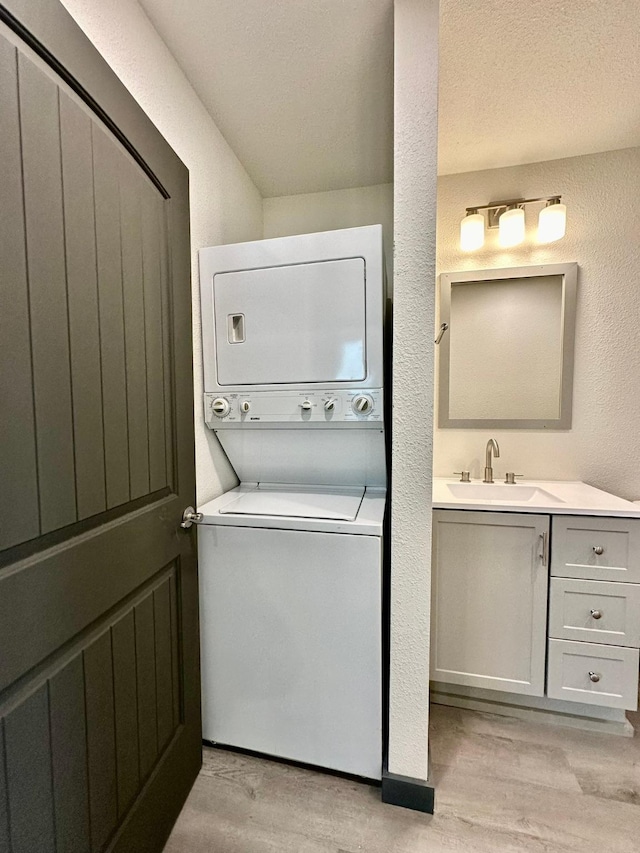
x: 569, y: 273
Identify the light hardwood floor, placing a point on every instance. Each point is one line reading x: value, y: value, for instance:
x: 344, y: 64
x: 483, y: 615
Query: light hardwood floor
x: 502, y: 786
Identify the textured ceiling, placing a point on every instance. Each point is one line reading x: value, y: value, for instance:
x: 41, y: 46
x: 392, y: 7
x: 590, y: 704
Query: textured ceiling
x: 302, y: 90
x: 528, y: 80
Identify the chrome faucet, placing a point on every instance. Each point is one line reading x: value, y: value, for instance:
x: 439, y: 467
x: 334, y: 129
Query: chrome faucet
x: 492, y: 447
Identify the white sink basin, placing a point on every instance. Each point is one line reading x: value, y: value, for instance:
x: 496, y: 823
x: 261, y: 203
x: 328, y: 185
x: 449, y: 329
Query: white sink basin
x: 516, y: 493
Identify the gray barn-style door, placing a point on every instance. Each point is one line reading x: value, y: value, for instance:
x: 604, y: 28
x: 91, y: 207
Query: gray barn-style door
x: 99, y: 685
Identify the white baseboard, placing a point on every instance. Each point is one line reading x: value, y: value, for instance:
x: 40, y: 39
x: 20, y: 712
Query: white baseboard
x: 533, y: 708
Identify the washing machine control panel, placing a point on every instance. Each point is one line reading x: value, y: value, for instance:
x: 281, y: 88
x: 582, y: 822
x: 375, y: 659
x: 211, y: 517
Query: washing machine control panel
x: 339, y: 407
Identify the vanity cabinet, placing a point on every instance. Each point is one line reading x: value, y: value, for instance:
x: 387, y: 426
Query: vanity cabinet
x: 494, y: 573
x: 490, y: 577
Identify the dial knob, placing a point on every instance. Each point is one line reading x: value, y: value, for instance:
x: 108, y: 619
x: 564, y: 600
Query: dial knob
x: 362, y: 404
x: 220, y: 407
x: 329, y: 405
x: 306, y: 406
x: 245, y: 406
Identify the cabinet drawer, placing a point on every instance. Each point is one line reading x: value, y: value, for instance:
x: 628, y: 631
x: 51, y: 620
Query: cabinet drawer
x: 593, y: 674
x: 595, y: 611
x: 606, y: 549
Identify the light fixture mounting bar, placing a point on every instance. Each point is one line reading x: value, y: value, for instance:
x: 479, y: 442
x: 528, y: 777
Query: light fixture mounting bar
x: 495, y: 209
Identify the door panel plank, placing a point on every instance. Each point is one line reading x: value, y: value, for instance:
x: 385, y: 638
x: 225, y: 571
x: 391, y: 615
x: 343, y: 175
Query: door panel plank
x: 126, y: 710
x: 19, y: 495
x: 69, y: 758
x: 101, y: 747
x: 175, y: 664
x: 82, y: 287
x: 114, y: 398
x: 48, y: 297
x: 146, y: 673
x: 167, y: 356
x: 28, y: 761
x: 152, y: 248
x: 4, y: 803
x: 131, y: 188
x: 164, y: 674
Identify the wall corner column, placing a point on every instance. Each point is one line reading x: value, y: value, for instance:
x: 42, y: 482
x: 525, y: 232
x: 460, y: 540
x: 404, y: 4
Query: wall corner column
x: 415, y: 164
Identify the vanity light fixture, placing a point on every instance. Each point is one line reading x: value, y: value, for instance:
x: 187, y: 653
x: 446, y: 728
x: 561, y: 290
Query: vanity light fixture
x: 552, y: 221
x: 472, y: 231
x: 508, y: 217
x: 511, y: 226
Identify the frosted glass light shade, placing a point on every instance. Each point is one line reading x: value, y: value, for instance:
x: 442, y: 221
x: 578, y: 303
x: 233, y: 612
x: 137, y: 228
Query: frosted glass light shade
x: 472, y: 232
x: 552, y: 223
x: 511, y: 225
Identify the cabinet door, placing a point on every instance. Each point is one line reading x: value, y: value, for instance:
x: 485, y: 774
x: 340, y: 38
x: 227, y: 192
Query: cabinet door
x: 490, y: 600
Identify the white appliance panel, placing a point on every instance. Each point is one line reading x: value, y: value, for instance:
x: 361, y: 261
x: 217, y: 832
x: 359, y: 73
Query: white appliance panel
x: 292, y: 645
x: 341, y: 505
x: 309, y: 457
x: 297, y: 337
x: 303, y: 323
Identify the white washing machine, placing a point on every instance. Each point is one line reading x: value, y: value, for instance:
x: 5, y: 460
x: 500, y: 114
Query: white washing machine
x: 291, y: 560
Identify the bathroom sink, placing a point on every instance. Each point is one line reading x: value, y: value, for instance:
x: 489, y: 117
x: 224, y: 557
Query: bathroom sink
x: 516, y: 493
x: 555, y: 497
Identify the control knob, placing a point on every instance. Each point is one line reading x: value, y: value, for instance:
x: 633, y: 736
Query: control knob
x: 245, y: 406
x: 362, y: 404
x: 220, y: 407
x: 329, y: 405
x: 306, y: 406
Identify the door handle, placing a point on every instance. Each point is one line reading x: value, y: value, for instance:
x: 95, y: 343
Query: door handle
x: 190, y: 517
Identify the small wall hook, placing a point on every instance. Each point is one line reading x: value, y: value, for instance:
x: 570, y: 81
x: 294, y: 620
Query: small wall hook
x: 443, y: 329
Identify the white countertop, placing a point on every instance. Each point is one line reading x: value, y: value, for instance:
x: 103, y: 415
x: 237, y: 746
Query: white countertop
x: 539, y: 496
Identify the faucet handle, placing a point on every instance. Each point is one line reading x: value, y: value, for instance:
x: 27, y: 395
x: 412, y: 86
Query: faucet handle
x: 465, y: 476
x: 511, y: 477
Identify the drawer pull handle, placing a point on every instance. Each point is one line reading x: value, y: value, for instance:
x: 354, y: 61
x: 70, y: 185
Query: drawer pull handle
x: 598, y: 549
x: 597, y: 614
x: 594, y: 677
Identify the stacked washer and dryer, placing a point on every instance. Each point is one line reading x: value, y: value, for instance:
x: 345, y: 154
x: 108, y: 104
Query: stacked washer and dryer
x: 291, y: 559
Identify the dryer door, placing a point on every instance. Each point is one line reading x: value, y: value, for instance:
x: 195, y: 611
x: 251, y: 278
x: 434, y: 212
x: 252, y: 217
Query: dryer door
x: 303, y: 323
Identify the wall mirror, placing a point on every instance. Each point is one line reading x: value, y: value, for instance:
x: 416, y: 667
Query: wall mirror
x: 506, y: 359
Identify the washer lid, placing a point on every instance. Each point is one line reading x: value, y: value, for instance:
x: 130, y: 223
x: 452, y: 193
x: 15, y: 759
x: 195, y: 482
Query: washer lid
x: 327, y: 503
